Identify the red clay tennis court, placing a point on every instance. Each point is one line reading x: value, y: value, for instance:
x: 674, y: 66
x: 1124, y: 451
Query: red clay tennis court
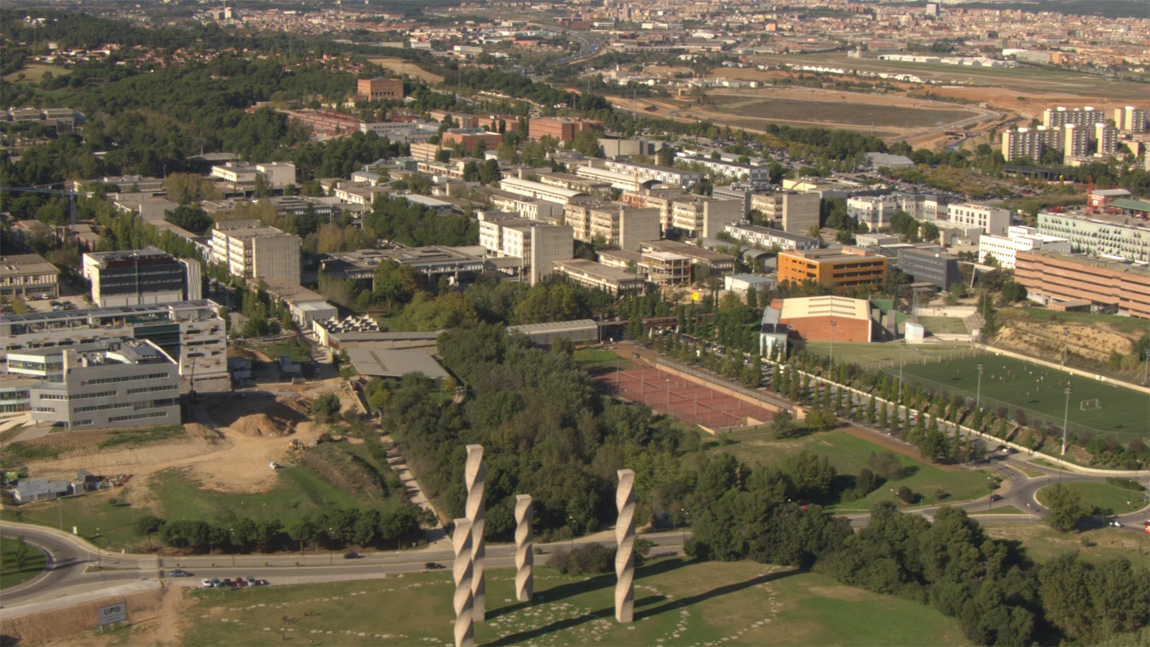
x: 680, y: 397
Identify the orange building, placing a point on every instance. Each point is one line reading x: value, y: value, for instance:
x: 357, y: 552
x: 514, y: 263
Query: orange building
x: 468, y: 137
x: 557, y: 128
x: 832, y: 267
x: 379, y: 88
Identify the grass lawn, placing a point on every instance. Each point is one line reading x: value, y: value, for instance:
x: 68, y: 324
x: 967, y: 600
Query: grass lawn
x: 943, y: 325
x: 297, y: 351
x: 594, y: 357
x: 1108, y: 499
x: 1041, y: 543
x: 11, y: 573
x: 87, y: 513
x: 676, y: 603
x: 866, y: 355
x: 849, y: 454
x: 1013, y: 383
x: 300, y: 490
x: 34, y: 73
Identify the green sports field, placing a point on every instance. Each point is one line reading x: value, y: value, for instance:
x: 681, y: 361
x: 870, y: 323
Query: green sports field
x: 1096, y: 406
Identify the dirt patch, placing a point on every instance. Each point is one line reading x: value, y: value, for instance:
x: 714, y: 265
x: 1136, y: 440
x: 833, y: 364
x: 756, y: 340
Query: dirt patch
x: 400, y: 66
x: 1041, y: 339
x: 258, y: 413
x: 74, y: 625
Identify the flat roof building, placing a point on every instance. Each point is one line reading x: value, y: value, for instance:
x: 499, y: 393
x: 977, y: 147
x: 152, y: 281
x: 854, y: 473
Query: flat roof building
x: 702, y: 216
x: 794, y: 212
x: 600, y: 277
x: 537, y: 245
x: 559, y: 128
x: 1050, y: 278
x: 992, y: 220
x: 112, y: 383
x: 846, y: 267
x: 27, y: 275
x: 140, y: 277
x: 1018, y: 239
x: 541, y: 191
x: 251, y: 250
x: 191, y: 332
x: 768, y: 238
x: 714, y: 263
x: 930, y: 266
x: 379, y: 88
x: 1118, y: 236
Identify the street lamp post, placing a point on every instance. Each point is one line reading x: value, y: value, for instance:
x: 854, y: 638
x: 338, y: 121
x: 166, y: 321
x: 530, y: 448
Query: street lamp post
x: 330, y: 549
x: 901, y: 352
x: 232, y: 533
x: 99, y: 557
x: 1066, y: 420
x: 1065, y: 345
x: 978, y: 393
x: 833, y: 324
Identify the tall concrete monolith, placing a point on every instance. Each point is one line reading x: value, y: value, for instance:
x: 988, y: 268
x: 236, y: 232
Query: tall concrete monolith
x: 625, y: 554
x: 524, y: 560
x: 475, y: 475
x: 464, y: 616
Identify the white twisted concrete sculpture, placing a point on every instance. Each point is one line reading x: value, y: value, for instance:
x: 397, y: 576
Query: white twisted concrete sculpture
x: 625, y: 541
x: 475, y: 475
x: 464, y: 624
x: 524, y: 560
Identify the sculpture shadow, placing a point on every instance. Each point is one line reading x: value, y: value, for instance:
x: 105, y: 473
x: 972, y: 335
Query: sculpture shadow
x: 714, y: 593
x: 574, y: 588
x: 600, y: 581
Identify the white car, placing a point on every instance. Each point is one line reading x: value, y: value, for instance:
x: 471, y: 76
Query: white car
x: 1116, y: 523
x: 206, y: 583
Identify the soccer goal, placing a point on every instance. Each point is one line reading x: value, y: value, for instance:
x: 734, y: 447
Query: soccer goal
x: 1092, y: 403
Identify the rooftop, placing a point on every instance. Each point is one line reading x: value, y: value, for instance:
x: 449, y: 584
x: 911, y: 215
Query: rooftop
x: 376, y: 362
x: 19, y: 264
x: 1114, y: 265
x: 827, y: 306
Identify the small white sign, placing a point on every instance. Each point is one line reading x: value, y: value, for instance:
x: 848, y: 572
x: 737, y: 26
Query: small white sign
x: 114, y: 613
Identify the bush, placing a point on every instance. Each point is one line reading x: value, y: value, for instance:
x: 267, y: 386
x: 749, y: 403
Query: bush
x: 907, y: 494
x: 887, y: 466
x: 588, y: 558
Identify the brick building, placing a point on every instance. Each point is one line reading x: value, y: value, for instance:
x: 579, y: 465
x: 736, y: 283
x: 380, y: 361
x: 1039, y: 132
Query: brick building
x: 820, y: 318
x: 379, y: 88
x: 562, y: 129
x: 1058, y: 280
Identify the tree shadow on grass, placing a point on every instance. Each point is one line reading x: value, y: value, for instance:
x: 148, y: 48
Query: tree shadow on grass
x: 571, y: 589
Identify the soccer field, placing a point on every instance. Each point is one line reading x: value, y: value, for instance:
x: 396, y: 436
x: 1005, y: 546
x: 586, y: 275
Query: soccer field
x: 1096, y: 406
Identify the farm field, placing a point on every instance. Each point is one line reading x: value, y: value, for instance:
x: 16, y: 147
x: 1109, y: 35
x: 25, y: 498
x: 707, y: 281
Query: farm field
x: 1095, y: 406
x: 848, y: 454
x: 676, y: 603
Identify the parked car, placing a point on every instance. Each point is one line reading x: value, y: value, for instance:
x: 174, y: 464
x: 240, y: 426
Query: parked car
x: 179, y: 573
x: 216, y: 583
x: 241, y: 581
x: 206, y: 583
x: 252, y: 581
x: 1116, y: 523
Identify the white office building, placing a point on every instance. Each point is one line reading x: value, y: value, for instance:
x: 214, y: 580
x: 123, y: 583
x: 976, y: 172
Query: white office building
x: 992, y: 220
x: 873, y: 210
x: 1018, y: 239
